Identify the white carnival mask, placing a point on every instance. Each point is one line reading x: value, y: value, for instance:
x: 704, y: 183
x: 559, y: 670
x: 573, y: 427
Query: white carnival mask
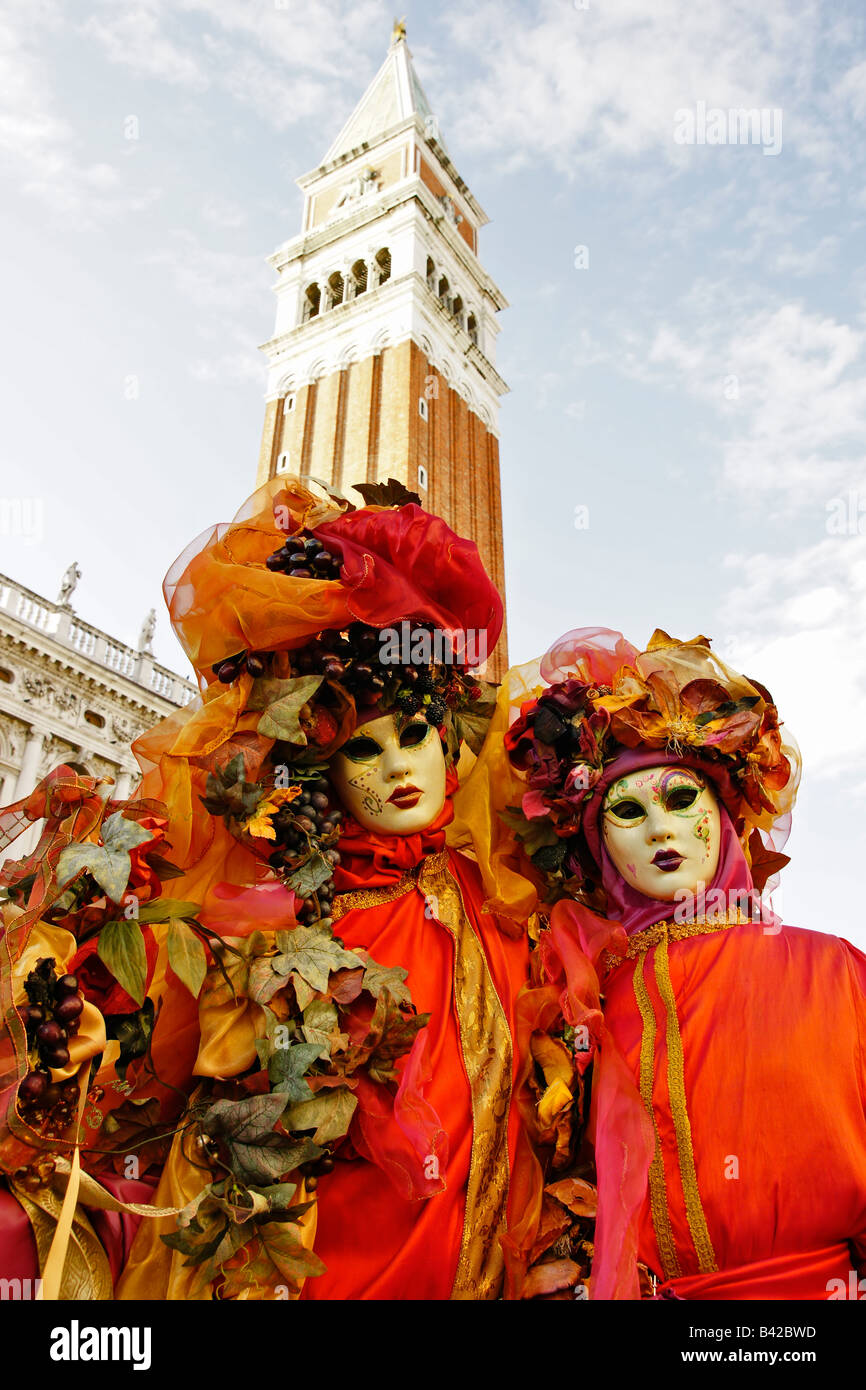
x: 390, y: 775
x: 662, y: 830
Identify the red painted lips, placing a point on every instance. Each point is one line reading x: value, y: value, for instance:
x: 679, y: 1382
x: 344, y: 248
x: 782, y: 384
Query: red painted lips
x: 667, y: 860
x: 404, y: 798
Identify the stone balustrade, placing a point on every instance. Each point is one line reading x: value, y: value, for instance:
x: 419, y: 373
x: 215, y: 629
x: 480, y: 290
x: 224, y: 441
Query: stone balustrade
x: 61, y: 624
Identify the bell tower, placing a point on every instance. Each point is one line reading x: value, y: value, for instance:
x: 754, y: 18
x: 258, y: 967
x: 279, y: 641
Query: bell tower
x: 382, y: 362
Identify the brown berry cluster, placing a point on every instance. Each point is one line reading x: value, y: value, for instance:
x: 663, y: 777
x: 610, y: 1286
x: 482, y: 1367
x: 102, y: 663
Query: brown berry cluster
x: 51, y: 1016
x: 303, y: 827
x: 433, y: 691
x: 228, y: 670
x: 304, y: 557
x: 39, y: 1174
x: 318, y: 1168
x: 349, y: 657
x: 352, y: 658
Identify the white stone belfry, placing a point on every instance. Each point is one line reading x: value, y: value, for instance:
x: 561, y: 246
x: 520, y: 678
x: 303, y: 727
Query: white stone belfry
x: 383, y: 358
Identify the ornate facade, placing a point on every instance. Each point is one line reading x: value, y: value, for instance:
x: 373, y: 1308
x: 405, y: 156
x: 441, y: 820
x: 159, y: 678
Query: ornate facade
x: 382, y: 362
x: 71, y: 693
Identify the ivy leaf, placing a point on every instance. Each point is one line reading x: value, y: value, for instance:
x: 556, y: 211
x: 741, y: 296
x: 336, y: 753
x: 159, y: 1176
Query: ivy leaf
x: 198, y: 1244
x: 472, y: 722
x: 228, y: 793
x: 391, y: 977
x: 329, y: 1112
x: 281, y: 718
x: 163, y: 868
x: 320, y: 1025
x: 291, y: 1259
x: 186, y: 956
x: 310, y: 875
x: 258, y: 1154
x: 269, y: 690
x: 390, y: 1035
x: 304, y: 993
x: 133, y: 1032
x: 274, y: 1258
x: 244, y: 1121
x: 314, y: 954
x: 344, y: 985
x: 162, y: 909
x: 265, y: 1163
x: 549, y: 858
x: 265, y: 980
x: 286, y: 1068
x: 390, y: 494
x: 534, y: 834
x: 109, y: 863
x: 121, y: 950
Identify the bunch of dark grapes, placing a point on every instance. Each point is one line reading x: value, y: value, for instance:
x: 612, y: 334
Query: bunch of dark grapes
x: 303, y: 826
x: 305, y: 557
x: 349, y: 657
x: 420, y: 693
x: 319, y: 1167
x: 228, y: 670
x: 51, y: 1016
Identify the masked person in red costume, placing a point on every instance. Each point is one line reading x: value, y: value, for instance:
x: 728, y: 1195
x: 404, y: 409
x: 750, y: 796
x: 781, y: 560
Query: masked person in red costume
x: 725, y: 1048
x: 318, y: 1052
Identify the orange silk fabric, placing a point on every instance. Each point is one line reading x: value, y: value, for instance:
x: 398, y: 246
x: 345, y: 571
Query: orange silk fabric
x: 376, y: 1244
x: 773, y: 1029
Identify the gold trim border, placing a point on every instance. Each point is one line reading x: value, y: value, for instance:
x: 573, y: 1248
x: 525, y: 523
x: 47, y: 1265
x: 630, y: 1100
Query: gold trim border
x: 658, y: 1192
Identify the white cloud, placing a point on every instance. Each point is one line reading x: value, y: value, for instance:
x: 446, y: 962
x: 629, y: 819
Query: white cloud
x: 285, y: 65
x: 796, y: 621
x: 135, y: 37
x: 791, y: 387
x: 799, y: 261
x: 219, y: 281
x: 36, y: 143
x: 572, y: 85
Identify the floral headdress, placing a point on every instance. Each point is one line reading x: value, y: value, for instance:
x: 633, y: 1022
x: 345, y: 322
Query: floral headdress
x: 605, y: 697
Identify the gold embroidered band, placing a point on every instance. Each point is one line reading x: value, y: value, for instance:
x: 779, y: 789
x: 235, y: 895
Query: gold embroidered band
x: 658, y: 1194
x: 682, y: 1128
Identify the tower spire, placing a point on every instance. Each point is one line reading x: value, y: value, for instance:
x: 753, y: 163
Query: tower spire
x: 382, y: 362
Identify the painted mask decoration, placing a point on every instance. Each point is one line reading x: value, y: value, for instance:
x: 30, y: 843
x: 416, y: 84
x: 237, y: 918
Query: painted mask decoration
x: 662, y: 830
x: 390, y: 775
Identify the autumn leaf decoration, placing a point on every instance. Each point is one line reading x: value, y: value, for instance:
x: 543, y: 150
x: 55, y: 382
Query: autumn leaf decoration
x: 390, y: 494
x: 330, y: 1016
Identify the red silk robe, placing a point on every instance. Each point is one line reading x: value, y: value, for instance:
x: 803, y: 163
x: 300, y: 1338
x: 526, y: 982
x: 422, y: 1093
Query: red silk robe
x: 749, y: 1048
x: 376, y: 1243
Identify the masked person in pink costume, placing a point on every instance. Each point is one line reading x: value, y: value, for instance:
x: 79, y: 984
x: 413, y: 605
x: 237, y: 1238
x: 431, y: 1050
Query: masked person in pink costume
x: 726, y: 1048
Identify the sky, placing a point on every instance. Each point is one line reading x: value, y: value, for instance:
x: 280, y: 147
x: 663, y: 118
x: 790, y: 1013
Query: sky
x: 683, y: 441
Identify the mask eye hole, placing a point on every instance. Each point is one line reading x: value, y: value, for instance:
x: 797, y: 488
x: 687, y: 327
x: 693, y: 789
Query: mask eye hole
x: 414, y: 733
x: 627, y: 809
x: 681, y: 798
x: 361, y: 749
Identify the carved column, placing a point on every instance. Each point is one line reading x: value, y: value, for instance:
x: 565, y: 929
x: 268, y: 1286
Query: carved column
x: 122, y: 784
x: 27, y: 776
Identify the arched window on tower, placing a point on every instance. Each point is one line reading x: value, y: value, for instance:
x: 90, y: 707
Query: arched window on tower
x: 383, y: 261
x: 312, y: 302
x: 457, y: 310
x: 335, y: 290
x: 431, y: 275
x: 443, y: 291
x: 472, y: 328
x: 359, y: 277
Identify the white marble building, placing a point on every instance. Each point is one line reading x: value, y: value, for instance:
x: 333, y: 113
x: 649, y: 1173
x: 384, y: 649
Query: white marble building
x: 71, y: 693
